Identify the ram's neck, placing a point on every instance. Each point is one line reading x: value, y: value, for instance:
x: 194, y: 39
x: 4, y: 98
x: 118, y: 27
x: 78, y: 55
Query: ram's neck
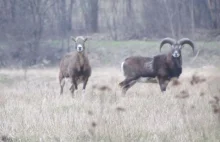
x: 173, y: 62
x: 81, y: 58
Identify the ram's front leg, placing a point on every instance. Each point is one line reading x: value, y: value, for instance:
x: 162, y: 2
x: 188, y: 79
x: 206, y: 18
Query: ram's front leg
x: 74, y: 85
x: 85, y: 80
x: 163, y: 82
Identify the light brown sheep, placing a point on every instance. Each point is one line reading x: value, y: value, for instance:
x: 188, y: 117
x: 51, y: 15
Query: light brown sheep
x: 76, y: 66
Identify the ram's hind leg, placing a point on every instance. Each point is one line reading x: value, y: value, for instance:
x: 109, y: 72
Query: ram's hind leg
x: 127, y: 86
x: 127, y: 83
x: 73, y: 85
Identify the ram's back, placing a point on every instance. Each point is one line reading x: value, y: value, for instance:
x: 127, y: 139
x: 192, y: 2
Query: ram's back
x: 137, y: 66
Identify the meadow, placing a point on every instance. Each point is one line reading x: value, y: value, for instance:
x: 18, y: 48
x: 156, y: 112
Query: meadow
x: 32, y: 110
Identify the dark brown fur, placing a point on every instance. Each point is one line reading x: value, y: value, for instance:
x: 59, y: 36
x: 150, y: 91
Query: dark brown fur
x: 161, y: 66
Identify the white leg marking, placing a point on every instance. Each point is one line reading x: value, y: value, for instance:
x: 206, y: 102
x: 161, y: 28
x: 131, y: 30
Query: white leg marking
x: 147, y: 80
x: 62, y: 83
x: 122, y: 67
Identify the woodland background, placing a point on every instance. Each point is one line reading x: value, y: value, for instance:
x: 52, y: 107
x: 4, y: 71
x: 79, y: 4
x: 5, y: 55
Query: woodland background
x: 37, y: 31
x: 35, y: 34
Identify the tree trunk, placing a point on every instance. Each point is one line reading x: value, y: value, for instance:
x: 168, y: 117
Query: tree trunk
x: 70, y: 10
x: 94, y: 15
x: 178, y: 18
x: 192, y: 19
x: 214, y: 8
x: 90, y: 11
x: 170, y: 18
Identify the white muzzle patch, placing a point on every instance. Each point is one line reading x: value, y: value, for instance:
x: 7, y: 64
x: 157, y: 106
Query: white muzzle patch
x: 176, y: 54
x: 79, y: 48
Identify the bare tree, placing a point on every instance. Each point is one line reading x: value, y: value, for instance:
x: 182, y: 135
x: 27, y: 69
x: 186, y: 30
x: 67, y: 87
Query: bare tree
x: 170, y: 16
x: 91, y: 14
x: 192, y: 18
x: 28, y: 23
x: 64, y: 14
x: 111, y: 20
x: 214, y: 7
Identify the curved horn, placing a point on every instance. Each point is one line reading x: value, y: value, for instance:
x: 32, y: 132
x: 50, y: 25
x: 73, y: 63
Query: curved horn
x: 186, y: 41
x: 168, y: 40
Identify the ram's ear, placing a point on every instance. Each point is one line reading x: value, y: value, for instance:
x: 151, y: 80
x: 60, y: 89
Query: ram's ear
x: 85, y: 39
x: 73, y: 39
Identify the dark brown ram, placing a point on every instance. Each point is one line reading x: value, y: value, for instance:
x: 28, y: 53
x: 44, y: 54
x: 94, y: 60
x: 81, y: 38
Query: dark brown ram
x: 162, y: 66
x: 75, y: 65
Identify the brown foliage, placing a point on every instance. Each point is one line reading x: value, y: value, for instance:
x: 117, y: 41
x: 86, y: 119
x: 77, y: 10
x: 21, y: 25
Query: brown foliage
x: 197, y: 79
x: 90, y: 112
x: 176, y: 82
x: 6, y: 139
x: 120, y: 109
x: 102, y: 87
x: 215, y: 105
x: 202, y: 94
x: 183, y: 94
x: 94, y: 124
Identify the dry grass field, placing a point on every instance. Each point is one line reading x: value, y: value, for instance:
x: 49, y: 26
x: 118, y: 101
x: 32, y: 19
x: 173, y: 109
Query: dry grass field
x: 32, y: 110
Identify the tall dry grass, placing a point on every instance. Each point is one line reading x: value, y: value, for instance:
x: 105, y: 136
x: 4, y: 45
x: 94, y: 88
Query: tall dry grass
x: 31, y: 108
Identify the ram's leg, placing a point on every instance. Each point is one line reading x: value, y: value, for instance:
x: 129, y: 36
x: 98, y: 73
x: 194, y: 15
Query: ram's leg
x: 72, y: 89
x: 62, y: 83
x: 127, y: 83
x: 127, y: 86
x: 163, y: 82
x: 85, y: 80
x: 73, y: 86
